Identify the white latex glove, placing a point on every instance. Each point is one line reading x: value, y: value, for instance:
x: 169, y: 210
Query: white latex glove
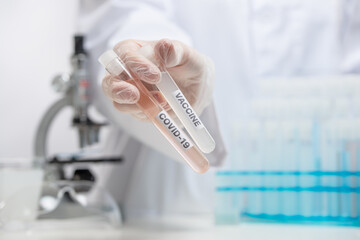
x: 192, y: 72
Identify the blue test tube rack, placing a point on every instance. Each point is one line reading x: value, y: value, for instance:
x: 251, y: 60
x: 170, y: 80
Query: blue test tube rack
x: 233, y: 200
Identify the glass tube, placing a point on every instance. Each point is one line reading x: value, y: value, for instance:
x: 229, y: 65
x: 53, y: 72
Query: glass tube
x: 180, y: 105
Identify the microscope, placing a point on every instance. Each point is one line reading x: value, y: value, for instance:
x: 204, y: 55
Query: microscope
x: 75, y: 90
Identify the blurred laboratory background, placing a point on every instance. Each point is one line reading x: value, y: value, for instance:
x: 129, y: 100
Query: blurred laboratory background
x: 37, y: 41
x: 289, y: 119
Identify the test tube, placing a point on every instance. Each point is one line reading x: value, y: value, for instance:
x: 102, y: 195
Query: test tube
x: 160, y: 118
x: 180, y: 105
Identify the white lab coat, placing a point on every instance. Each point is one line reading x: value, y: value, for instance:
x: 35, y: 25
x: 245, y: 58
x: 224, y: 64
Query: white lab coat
x: 248, y: 41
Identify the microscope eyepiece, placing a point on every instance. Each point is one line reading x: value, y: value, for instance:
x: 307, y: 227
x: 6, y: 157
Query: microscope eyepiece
x: 79, y: 44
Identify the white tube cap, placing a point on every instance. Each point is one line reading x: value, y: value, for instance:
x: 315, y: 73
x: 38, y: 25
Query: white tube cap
x: 107, y: 57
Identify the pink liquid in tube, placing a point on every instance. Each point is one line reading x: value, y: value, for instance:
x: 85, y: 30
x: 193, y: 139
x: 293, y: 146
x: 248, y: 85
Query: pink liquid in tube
x: 160, y: 118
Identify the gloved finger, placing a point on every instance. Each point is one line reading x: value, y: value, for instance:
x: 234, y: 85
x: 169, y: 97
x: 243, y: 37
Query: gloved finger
x: 172, y: 53
x: 134, y: 109
x: 139, y: 66
x: 120, y: 91
x: 127, y: 108
x: 141, y: 117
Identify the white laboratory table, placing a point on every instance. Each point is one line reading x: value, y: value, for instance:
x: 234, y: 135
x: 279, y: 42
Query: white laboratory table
x: 185, y: 228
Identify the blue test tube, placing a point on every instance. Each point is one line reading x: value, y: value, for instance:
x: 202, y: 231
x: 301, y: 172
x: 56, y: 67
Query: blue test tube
x: 272, y: 164
x: 344, y: 165
x: 358, y: 179
x: 318, y: 194
x: 293, y: 181
x: 307, y: 181
x: 255, y: 196
x: 289, y: 163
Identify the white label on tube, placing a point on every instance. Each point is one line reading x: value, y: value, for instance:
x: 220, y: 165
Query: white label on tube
x: 189, y: 111
x: 174, y: 130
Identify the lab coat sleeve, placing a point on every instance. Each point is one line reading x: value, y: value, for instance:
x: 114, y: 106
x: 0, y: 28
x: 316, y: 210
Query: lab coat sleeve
x: 147, y: 20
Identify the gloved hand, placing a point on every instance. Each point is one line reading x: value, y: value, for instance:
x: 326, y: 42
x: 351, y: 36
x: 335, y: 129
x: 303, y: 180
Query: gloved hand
x: 192, y: 72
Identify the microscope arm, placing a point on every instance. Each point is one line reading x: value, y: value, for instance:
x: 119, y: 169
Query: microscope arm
x: 40, y: 147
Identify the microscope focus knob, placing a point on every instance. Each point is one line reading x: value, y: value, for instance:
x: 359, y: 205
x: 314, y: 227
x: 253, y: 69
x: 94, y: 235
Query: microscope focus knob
x: 61, y: 83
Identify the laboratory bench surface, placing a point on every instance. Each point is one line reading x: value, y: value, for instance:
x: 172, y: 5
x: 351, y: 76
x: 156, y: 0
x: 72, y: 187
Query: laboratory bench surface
x: 184, y: 228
